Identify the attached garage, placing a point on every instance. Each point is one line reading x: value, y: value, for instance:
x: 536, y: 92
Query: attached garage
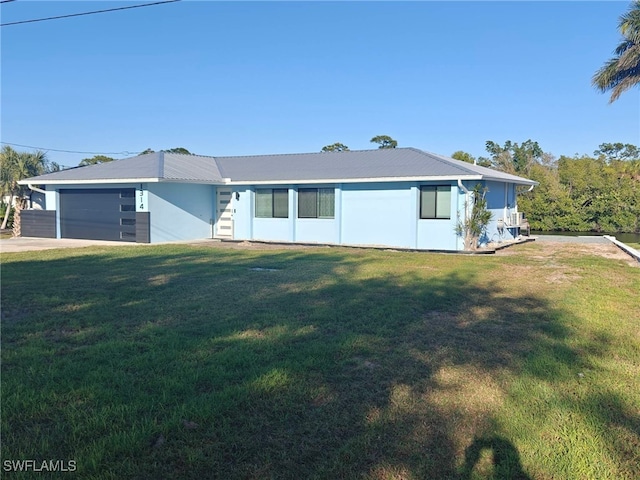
x: 98, y: 214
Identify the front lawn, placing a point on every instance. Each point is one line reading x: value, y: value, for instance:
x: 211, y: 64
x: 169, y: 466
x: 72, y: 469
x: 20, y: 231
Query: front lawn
x: 196, y: 362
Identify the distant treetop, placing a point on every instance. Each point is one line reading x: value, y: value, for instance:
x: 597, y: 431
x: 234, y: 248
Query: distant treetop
x: 335, y: 147
x: 95, y: 160
x: 180, y: 150
x: 385, y: 141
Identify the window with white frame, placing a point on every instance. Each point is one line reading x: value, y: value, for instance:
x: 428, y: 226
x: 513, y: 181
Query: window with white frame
x: 272, y: 203
x: 435, y: 202
x: 316, y: 202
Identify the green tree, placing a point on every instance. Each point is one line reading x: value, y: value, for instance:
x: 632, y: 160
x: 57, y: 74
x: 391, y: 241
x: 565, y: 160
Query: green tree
x: 463, y: 156
x: 512, y: 157
x: 548, y: 206
x: 617, y: 151
x: 622, y: 72
x: 335, y: 147
x: 52, y: 167
x: 95, y: 160
x: 15, y: 166
x: 384, y: 141
x: 180, y: 150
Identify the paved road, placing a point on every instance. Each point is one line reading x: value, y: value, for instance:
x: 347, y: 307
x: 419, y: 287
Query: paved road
x: 26, y: 244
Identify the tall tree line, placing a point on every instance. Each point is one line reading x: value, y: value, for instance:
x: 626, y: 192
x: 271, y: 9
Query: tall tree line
x: 599, y: 192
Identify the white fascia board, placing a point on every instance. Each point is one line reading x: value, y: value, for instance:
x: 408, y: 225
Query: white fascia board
x: 516, y: 182
x: 196, y: 182
x: 359, y: 180
x: 117, y: 180
x: 89, y: 182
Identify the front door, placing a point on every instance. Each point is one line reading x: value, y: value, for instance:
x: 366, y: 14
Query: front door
x: 224, y: 213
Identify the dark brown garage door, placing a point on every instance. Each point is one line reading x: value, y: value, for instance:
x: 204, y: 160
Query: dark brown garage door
x: 98, y: 214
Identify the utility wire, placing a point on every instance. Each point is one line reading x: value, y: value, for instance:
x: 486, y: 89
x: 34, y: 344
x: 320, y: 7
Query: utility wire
x: 85, y: 13
x: 68, y: 151
x: 7, y: 1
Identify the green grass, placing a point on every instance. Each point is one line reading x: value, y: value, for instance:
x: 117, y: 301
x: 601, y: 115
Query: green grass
x: 184, y: 362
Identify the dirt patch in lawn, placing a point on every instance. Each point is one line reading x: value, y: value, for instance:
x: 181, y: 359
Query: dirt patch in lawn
x: 551, y: 250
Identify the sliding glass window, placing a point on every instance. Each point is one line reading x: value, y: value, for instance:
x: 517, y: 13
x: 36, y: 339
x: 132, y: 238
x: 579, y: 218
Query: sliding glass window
x: 272, y: 203
x: 435, y: 202
x: 316, y: 203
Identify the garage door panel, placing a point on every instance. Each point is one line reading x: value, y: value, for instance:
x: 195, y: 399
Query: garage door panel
x: 98, y: 214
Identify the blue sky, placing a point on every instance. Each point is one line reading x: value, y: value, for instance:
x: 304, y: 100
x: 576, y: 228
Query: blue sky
x: 281, y: 77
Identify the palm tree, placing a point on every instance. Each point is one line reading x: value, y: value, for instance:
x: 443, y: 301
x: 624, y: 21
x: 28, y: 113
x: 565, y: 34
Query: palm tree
x: 623, y: 71
x: 15, y: 166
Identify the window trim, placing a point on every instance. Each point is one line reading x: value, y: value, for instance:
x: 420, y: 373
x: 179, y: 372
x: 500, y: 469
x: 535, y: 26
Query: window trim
x: 317, y: 191
x: 272, y: 192
x: 434, y: 188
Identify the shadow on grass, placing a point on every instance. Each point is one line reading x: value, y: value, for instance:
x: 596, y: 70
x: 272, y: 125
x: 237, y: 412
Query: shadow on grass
x: 329, y: 364
x: 505, y: 462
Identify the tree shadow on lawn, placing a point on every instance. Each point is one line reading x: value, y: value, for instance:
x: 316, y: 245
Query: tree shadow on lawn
x: 329, y: 366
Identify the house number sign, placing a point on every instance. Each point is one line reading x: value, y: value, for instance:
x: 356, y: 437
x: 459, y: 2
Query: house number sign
x: 141, y: 199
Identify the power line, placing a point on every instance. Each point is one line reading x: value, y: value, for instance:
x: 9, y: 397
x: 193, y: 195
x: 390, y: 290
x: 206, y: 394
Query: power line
x: 86, y: 13
x: 68, y: 151
x: 7, y: 1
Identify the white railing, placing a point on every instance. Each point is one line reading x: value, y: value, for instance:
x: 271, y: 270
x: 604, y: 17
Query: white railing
x: 516, y: 219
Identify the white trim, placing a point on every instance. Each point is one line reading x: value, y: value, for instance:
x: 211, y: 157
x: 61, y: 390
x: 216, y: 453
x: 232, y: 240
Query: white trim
x: 293, y: 181
x: 510, y: 180
x: 89, y: 182
x: 356, y: 180
x: 119, y: 180
x: 36, y: 189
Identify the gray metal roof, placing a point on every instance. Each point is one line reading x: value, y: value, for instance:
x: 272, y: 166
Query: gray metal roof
x: 392, y: 163
x: 158, y: 166
x: 359, y: 165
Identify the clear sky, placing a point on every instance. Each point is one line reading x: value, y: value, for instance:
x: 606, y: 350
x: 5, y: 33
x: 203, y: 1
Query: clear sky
x: 282, y: 77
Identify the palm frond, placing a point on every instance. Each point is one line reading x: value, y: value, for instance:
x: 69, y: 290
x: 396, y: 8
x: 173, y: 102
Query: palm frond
x: 622, y: 72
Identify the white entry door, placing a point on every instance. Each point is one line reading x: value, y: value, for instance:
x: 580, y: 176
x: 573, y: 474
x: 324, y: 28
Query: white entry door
x: 224, y: 213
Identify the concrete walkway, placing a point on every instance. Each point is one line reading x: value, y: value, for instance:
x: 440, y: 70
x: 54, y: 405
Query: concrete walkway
x: 570, y: 239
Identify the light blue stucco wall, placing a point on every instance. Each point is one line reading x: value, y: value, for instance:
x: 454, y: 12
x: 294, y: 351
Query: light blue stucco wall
x: 501, y: 202
x: 379, y: 214
x: 180, y: 211
x: 50, y: 198
x: 319, y: 230
x: 292, y: 229
x: 373, y: 214
x: 440, y: 234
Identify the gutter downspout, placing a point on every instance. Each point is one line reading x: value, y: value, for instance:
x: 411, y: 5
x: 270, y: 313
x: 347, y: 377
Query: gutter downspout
x: 36, y: 189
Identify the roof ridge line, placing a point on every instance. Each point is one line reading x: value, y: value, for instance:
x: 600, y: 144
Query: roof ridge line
x: 311, y: 153
x: 190, y: 155
x: 447, y: 161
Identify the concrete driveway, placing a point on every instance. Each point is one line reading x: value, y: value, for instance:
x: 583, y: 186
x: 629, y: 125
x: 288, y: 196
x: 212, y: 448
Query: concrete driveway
x: 571, y: 239
x: 26, y: 244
